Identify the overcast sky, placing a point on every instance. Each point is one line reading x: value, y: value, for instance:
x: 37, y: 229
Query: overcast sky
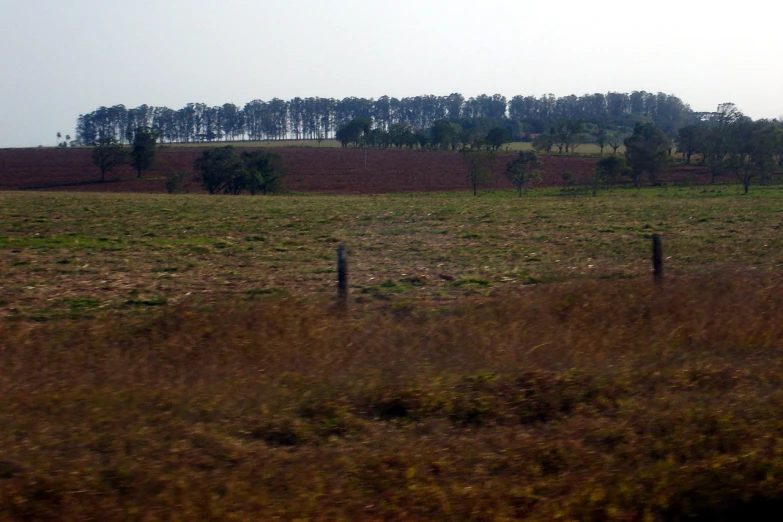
x: 59, y: 59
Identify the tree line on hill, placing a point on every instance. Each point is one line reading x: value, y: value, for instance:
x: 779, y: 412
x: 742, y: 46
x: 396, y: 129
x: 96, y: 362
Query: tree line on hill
x: 522, y: 117
x: 725, y: 141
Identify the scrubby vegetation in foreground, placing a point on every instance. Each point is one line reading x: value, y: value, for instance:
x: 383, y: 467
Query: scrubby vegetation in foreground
x: 609, y: 400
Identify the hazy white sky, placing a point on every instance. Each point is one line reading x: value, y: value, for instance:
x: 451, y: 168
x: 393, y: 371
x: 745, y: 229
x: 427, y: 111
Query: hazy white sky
x: 59, y: 58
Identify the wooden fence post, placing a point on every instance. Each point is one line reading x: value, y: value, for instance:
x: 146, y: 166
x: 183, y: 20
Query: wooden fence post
x: 657, y: 258
x: 342, y: 274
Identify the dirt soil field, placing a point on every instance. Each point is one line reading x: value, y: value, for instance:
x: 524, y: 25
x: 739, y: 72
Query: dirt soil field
x: 321, y: 170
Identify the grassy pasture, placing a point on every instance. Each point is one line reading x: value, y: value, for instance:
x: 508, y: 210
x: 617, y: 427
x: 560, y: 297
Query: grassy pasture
x: 60, y: 249
x: 589, y: 149
x: 262, y: 143
x: 179, y: 358
x: 584, y: 149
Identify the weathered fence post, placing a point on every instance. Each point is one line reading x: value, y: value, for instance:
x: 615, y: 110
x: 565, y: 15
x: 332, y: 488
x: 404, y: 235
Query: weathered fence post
x: 342, y: 274
x: 657, y: 258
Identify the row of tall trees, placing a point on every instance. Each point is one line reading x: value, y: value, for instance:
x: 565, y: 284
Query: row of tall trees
x: 491, y: 133
x: 320, y: 118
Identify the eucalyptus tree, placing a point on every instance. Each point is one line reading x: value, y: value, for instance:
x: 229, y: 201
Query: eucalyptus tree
x: 142, y: 155
x: 231, y: 121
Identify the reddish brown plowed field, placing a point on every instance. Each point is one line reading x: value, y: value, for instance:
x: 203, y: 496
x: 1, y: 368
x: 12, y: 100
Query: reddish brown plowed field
x: 324, y: 170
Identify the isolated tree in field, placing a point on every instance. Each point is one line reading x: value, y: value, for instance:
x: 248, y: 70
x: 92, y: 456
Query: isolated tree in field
x: 522, y: 171
x: 219, y: 170
x: 497, y: 137
x: 107, y: 155
x: 142, y: 155
x: 263, y: 171
x: 608, y: 170
x: 647, y: 150
x: 479, y: 163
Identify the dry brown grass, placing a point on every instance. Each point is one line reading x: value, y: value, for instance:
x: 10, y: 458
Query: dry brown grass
x: 588, y: 400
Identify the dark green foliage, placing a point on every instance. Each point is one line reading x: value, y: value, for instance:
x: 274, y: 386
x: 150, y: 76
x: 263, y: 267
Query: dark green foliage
x: 690, y: 140
x: 377, y: 138
x: 443, y: 134
x: 221, y: 171
x: 647, y: 150
x: 354, y: 131
x: 421, y: 139
x: 608, y: 169
x: 108, y: 155
x: 521, y: 172
x: 142, y: 155
x: 400, y: 135
x: 264, y: 171
x: 730, y: 142
x: 320, y: 118
x: 752, y: 147
x: 497, y: 137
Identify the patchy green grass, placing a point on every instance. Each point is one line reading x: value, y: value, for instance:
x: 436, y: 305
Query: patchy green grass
x: 584, y: 149
x: 590, y: 149
x: 432, y: 246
